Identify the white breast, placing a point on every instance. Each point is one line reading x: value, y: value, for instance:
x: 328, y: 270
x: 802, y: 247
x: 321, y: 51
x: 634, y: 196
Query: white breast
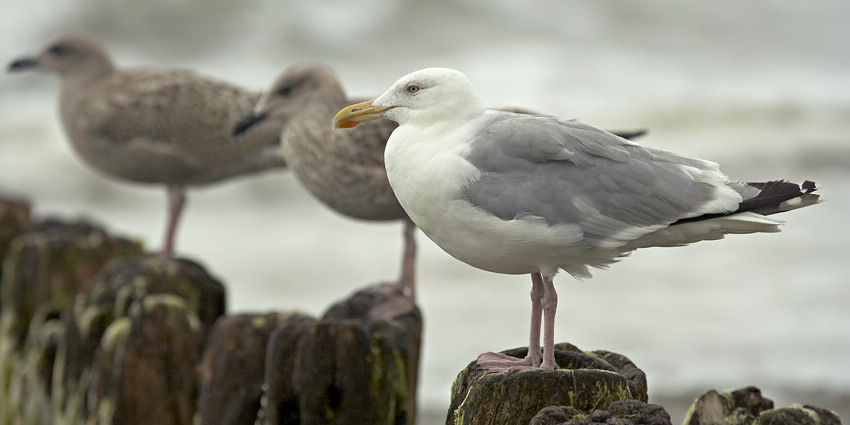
x: 428, y: 173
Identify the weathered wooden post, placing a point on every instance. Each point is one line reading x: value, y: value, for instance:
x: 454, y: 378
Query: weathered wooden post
x: 144, y: 370
x: 347, y: 368
x: 46, y: 265
x: 14, y: 220
x: 747, y: 406
x: 584, y: 380
x: 233, y: 367
x: 134, y: 313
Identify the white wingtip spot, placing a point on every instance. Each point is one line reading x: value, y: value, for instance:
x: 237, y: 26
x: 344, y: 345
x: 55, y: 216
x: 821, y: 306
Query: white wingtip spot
x: 791, y: 202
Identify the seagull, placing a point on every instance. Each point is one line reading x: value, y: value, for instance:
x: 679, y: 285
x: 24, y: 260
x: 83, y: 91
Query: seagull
x: 532, y: 194
x: 170, y: 127
x: 345, y: 171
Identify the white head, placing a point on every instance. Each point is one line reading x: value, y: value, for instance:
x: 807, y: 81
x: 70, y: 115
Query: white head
x: 423, y: 97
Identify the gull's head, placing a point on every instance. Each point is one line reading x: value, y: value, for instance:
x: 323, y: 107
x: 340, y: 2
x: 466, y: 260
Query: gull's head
x: 291, y: 92
x: 424, y: 97
x: 71, y: 57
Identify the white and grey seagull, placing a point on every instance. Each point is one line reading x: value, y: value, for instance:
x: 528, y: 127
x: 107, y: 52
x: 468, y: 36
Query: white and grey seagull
x: 530, y: 194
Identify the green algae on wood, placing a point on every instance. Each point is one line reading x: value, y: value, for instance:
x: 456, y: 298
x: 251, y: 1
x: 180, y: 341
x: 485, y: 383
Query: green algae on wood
x: 406, y: 336
x: 233, y: 365
x: 586, y: 381
x: 51, y: 263
x: 346, y: 368
x: 45, y: 268
x: 623, y: 412
x: 14, y: 220
x: 144, y: 372
x: 747, y: 406
x: 500, y: 398
x: 123, y: 281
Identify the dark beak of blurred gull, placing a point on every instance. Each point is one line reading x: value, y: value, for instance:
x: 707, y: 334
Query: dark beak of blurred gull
x: 22, y: 64
x: 247, y: 122
x: 352, y: 115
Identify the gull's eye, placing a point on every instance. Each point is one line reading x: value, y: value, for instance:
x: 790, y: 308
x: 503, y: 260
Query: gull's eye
x: 284, y: 91
x: 59, y: 50
x: 413, y: 88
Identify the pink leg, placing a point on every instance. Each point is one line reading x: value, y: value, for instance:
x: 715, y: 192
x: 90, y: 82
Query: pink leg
x: 550, y: 305
x: 176, y: 200
x: 533, y: 356
x: 400, y: 297
x: 498, y: 362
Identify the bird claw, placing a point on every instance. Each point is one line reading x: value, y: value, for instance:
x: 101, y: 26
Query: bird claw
x: 499, y: 362
x: 394, y: 303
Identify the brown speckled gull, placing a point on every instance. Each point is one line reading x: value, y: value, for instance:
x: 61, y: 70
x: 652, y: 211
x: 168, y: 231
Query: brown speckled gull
x: 170, y: 127
x: 344, y: 170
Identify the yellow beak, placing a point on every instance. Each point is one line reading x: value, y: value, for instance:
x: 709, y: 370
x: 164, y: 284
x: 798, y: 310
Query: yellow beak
x: 352, y: 115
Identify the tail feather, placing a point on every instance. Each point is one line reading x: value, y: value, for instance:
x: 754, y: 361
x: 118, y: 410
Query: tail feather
x: 780, y: 196
x: 773, y: 197
x: 760, y: 200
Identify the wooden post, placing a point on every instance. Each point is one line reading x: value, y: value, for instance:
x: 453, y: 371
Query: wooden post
x: 52, y: 263
x: 46, y: 265
x: 747, y: 406
x: 144, y: 372
x: 233, y: 367
x: 360, y: 305
x: 585, y: 381
x: 623, y: 412
x: 346, y: 368
x: 119, y: 289
x: 14, y: 220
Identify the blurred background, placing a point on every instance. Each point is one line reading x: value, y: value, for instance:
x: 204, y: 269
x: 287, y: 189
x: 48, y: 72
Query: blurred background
x: 762, y: 86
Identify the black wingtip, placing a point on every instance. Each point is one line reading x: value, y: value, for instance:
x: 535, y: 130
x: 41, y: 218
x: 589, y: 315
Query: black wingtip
x: 774, y: 197
x: 809, y: 186
x: 247, y: 122
x: 632, y: 134
x: 780, y: 196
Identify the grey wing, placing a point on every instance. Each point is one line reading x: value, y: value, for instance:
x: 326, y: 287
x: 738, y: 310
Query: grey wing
x: 566, y: 172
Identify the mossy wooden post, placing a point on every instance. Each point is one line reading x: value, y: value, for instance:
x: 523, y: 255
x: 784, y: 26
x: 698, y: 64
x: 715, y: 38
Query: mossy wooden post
x: 747, y: 406
x: 14, y: 220
x: 45, y: 267
x: 233, y: 367
x: 623, y: 412
x: 51, y: 263
x: 346, y: 368
x: 279, y: 405
x: 408, y: 338
x: 586, y: 381
x: 119, y: 290
x: 144, y: 372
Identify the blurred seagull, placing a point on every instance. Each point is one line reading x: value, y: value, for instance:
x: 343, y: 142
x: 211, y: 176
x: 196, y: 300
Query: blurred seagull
x: 516, y: 194
x: 170, y: 127
x: 345, y: 171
